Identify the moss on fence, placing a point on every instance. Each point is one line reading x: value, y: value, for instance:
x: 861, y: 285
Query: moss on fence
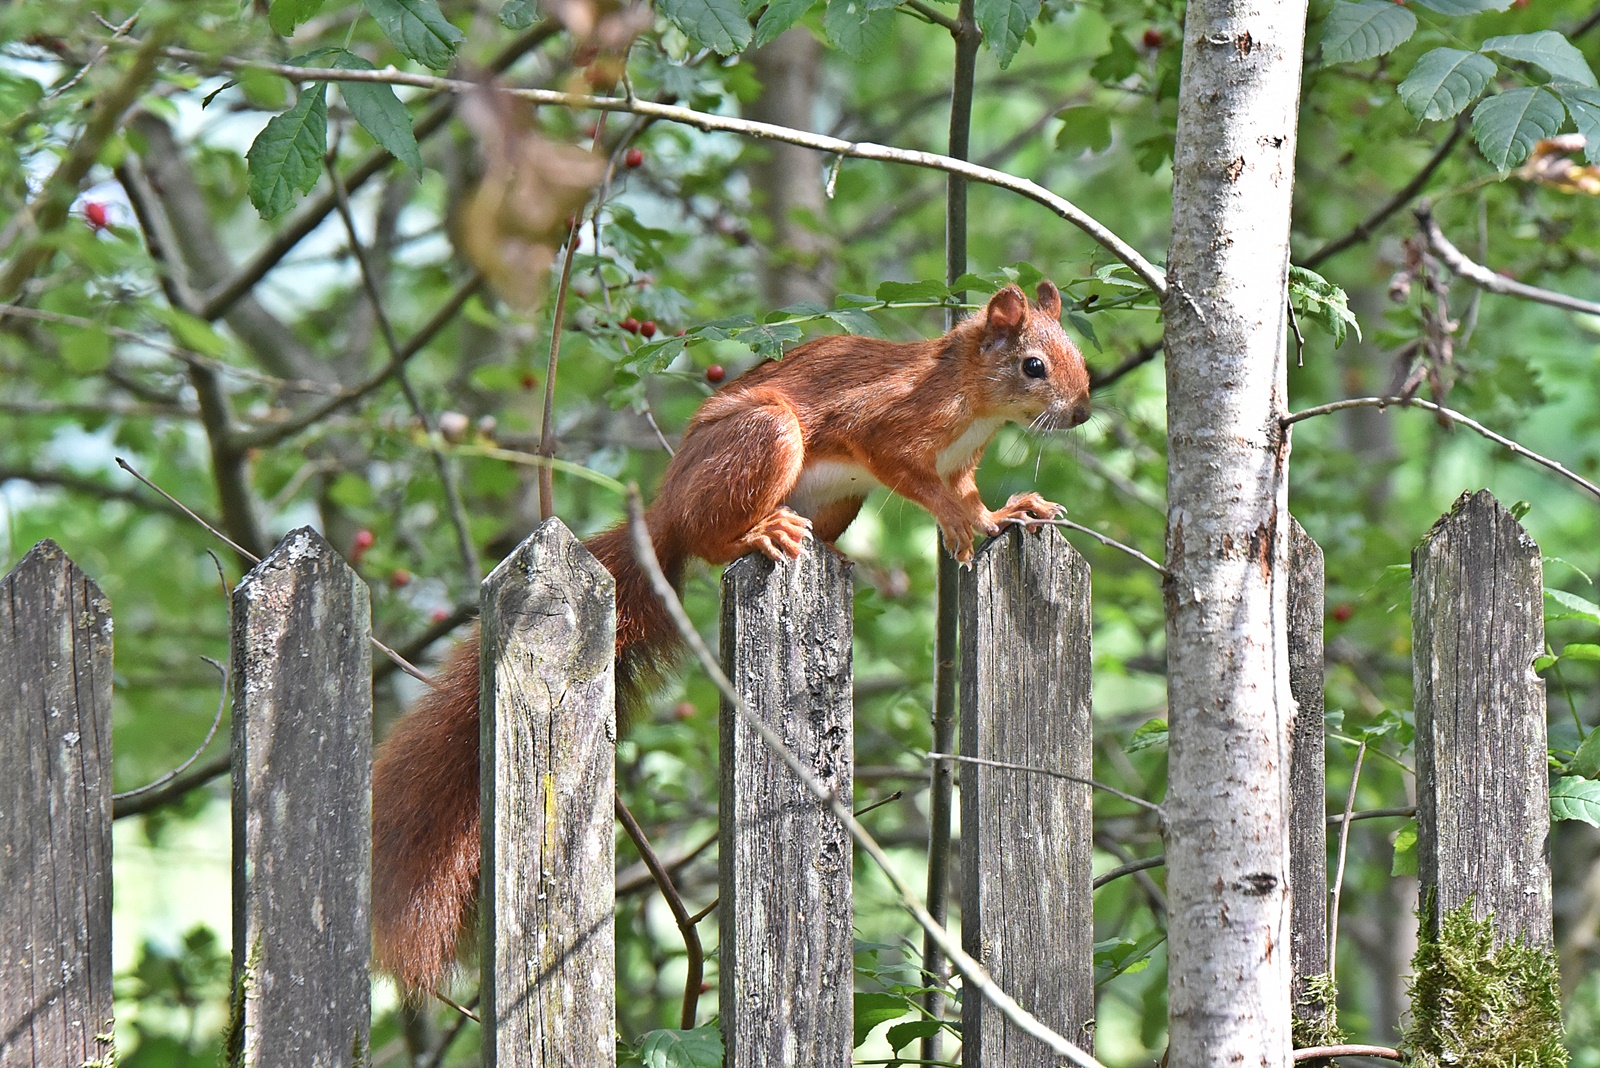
x: 1477, y: 1006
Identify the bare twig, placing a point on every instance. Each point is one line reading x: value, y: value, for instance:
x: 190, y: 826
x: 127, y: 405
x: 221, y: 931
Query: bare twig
x: 216, y: 720
x: 691, y: 934
x: 1407, y: 811
x: 1101, y: 538
x: 1344, y: 846
x: 1454, y: 417
x: 1311, y: 1053
x: 1138, y: 358
x: 172, y: 791
x: 1130, y: 868
x: 978, y: 979
x: 1484, y: 278
x: 1031, y: 769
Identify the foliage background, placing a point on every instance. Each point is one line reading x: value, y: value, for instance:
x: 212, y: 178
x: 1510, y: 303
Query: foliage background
x: 699, y: 232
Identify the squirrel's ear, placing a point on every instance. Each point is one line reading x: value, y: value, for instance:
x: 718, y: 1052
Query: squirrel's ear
x: 1006, y: 309
x: 1049, y: 300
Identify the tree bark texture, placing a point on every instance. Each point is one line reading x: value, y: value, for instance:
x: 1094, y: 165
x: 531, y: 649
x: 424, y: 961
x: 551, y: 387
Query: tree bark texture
x: 55, y: 814
x: 787, y: 941
x: 302, y: 809
x: 1308, y: 815
x: 1229, y: 704
x: 549, y: 744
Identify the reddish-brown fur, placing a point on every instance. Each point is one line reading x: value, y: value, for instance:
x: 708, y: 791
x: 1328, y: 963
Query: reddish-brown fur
x: 790, y: 432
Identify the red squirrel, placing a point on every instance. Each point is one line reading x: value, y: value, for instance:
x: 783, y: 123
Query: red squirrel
x: 789, y: 449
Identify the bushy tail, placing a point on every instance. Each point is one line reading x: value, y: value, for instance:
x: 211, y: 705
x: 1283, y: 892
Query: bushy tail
x: 425, y: 826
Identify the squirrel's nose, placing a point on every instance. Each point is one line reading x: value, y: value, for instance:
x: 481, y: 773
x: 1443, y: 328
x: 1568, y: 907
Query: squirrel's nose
x: 1080, y: 413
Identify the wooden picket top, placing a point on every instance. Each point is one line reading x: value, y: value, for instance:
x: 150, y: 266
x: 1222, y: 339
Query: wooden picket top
x: 548, y: 731
x: 787, y: 957
x: 55, y: 814
x: 302, y: 809
x: 1027, y: 911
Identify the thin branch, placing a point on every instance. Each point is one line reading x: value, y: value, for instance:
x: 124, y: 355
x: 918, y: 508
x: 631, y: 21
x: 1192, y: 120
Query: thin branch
x: 691, y: 934
x: 216, y: 721
x: 1364, y: 229
x: 172, y: 791
x: 933, y: 15
x: 74, y: 483
x: 1140, y: 356
x: 1311, y: 1053
x: 1152, y: 275
x: 1336, y: 818
x: 1032, y: 769
x: 1344, y: 847
x: 978, y: 979
x: 1484, y: 278
x: 630, y: 884
x: 1130, y: 868
x: 1103, y: 539
x: 1454, y: 417
x: 447, y: 477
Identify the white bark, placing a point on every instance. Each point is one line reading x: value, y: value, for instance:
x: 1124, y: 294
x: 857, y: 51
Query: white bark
x: 1227, y: 533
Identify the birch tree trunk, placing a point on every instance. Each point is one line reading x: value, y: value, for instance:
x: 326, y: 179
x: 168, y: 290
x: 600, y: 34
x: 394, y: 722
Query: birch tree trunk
x: 1229, y: 704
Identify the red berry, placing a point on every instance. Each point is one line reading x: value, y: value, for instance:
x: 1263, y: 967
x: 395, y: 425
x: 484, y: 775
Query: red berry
x: 528, y: 381
x: 633, y: 158
x: 1153, y: 38
x: 365, y: 539
x: 96, y: 215
x: 1342, y: 613
x: 399, y: 577
x: 715, y: 373
x: 439, y: 615
x: 631, y: 325
x: 647, y: 328
x: 683, y: 710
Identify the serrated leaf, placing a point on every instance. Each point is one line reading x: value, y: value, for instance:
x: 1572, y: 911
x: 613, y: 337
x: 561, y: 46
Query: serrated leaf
x: 902, y: 1035
x: 1120, y: 61
x: 418, y: 29
x: 286, y: 157
x: 1583, y: 104
x: 1444, y: 82
x: 1084, y: 128
x: 855, y: 321
x: 1004, y: 24
x: 1506, y: 125
x: 1575, y: 607
x: 1405, y: 850
x: 1574, y: 798
x: 517, y: 15
x: 1464, y: 7
x: 1586, y: 761
x: 1150, y: 733
x: 779, y: 16
x: 284, y: 15
x: 856, y: 28
x: 1324, y: 303
x: 1364, y: 29
x: 874, y: 1009
x: 1580, y: 651
x: 911, y: 292
x: 380, y: 113
x: 1547, y: 50
x: 700, y: 1048
x: 719, y: 25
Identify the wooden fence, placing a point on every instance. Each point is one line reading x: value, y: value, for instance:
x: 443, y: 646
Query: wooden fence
x: 301, y: 795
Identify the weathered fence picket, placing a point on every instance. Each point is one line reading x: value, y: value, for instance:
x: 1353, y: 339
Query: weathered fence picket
x: 302, y: 809
x: 787, y: 962
x: 1027, y: 911
x: 55, y: 814
x: 1308, y: 790
x: 548, y: 779
x: 1483, y: 798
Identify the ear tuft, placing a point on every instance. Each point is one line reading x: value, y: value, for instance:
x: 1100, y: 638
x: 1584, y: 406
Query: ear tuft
x: 1049, y: 300
x: 1006, y: 309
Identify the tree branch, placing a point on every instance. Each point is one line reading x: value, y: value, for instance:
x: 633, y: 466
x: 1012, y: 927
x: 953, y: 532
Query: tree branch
x: 1484, y: 278
x: 686, y: 926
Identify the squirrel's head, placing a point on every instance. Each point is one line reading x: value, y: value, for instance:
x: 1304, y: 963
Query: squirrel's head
x: 1036, y: 375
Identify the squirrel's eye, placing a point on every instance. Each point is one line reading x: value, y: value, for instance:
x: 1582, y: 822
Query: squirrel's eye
x: 1034, y: 367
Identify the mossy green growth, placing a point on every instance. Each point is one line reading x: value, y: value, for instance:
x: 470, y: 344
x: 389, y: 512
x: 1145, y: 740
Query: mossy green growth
x: 1316, y: 1013
x: 1477, y: 1006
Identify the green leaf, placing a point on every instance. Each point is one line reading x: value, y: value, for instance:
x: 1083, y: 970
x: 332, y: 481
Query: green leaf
x: 1586, y: 761
x: 1506, y: 125
x: 1580, y: 651
x: 1445, y: 81
x: 418, y: 29
x: 380, y: 113
x: 1574, y: 798
x: 192, y: 332
x: 1118, y: 956
x: 1583, y: 105
x: 352, y: 491
x: 1324, y: 303
x: 85, y: 351
x: 874, y: 1009
x: 902, y: 1035
x: 1405, y: 850
x: 517, y: 15
x: 1084, y: 129
x: 1547, y: 50
x: 286, y: 157
x: 779, y: 16
x: 1152, y: 732
x: 911, y: 292
x: 719, y: 25
x: 284, y: 15
x: 856, y: 28
x: 1366, y: 28
x: 1004, y: 24
x: 1576, y: 607
x: 1121, y: 61
x: 1464, y: 7
x: 855, y: 321
x: 700, y: 1048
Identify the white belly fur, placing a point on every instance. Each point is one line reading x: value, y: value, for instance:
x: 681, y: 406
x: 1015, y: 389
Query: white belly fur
x: 959, y: 451
x: 825, y: 481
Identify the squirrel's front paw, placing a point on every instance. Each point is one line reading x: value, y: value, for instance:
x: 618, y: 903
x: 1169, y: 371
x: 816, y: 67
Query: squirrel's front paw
x: 780, y: 535
x: 1027, y: 508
